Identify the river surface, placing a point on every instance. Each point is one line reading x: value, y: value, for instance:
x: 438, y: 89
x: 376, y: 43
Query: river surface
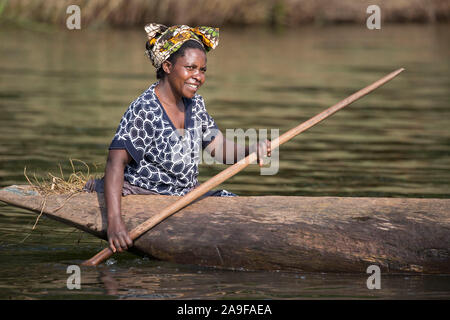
x: 62, y: 94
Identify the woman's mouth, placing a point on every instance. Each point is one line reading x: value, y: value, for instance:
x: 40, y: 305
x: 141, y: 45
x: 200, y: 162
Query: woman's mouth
x: 192, y: 86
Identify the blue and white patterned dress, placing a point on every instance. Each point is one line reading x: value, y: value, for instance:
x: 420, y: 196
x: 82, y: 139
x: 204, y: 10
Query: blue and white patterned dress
x: 164, y: 161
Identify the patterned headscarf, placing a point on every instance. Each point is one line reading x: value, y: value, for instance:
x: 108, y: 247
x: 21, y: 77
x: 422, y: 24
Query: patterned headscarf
x: 164, y: 40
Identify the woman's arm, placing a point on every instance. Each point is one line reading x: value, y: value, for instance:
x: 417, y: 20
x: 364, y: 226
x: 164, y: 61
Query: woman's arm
x: 225, y: 150
x: 118, y: 237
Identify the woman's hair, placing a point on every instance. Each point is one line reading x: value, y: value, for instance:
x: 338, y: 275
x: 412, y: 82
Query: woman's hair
x: 190, y: 44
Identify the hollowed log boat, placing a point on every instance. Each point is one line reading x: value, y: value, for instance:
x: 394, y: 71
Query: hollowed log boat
x: 293, y: 233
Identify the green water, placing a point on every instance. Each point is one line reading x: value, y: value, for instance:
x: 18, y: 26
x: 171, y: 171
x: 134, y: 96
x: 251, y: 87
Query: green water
x: 63, y: 93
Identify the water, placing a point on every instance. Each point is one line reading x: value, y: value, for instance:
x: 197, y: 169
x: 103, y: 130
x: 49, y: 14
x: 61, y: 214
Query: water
x: 63, y: 93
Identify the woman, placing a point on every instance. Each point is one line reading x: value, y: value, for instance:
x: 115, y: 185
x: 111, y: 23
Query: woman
x: 157, y: 146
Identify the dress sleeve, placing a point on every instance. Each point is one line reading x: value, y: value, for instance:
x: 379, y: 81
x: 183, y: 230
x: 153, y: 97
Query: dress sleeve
x: 131, y: 133
x: 210, y: 130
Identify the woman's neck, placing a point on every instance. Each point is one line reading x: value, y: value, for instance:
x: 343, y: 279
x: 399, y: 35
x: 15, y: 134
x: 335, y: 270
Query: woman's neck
x: 167, y: 95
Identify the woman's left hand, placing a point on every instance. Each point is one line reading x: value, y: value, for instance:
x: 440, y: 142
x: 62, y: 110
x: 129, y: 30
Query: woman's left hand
x: 263, y: 150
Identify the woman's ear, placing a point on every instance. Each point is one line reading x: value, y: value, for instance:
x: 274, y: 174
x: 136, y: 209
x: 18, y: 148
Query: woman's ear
x: 167, y: 66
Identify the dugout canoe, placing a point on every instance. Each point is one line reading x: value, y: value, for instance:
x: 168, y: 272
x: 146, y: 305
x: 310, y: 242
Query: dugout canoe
x: 310, y: 234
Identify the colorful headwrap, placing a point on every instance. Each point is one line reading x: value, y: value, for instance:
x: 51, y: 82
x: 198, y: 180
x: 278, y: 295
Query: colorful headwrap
x: 164, y: 40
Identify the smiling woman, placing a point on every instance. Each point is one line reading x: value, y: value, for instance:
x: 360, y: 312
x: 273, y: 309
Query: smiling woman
x: 157, y: 146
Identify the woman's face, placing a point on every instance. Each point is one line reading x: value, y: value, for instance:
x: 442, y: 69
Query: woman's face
x: 188, y: 73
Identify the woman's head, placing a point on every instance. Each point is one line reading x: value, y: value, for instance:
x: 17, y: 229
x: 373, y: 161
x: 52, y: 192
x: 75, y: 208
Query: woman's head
x: 185, y: 73
x: 165, y: 42
x: 190, y: 44
x: 179, y: 55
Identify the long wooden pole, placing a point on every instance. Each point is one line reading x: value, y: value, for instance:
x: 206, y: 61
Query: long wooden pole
x: 239, y: 166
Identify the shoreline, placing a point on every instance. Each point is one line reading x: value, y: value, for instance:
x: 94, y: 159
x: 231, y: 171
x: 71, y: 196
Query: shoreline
x: 272, y: 13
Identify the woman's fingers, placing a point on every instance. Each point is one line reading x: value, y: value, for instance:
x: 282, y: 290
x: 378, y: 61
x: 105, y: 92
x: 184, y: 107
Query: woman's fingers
x: 128, y: 240
x: 111, y: 245
x: 264, y: 149
x: 125, y: 241
x: 118, y: 245
x: 260, y: 153
x: 120, y: 242
x: 123, y: 244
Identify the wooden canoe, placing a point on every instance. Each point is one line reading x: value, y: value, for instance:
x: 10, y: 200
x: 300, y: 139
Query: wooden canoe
x: 318, y: 234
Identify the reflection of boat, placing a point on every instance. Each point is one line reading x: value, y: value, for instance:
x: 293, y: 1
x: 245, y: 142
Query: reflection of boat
x: 327, y: 234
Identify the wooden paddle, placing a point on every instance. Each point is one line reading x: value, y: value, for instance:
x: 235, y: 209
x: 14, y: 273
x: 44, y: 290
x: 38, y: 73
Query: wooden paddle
x: 234, y: 169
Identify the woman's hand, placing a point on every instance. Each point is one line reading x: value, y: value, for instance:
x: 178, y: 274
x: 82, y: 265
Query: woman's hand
x: 118, y: 237
x: 263, y: 150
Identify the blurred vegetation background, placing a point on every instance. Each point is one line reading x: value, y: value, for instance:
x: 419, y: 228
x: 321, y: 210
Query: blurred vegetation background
x: 278, y: 13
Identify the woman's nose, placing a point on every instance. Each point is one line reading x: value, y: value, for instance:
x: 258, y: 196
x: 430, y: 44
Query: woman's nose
x: 199, y: 76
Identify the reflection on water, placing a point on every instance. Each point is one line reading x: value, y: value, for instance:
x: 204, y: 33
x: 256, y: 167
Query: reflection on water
x: 62, y: 95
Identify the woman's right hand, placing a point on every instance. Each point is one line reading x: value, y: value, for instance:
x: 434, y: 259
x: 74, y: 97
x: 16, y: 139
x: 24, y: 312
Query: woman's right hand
x: 118, y: 237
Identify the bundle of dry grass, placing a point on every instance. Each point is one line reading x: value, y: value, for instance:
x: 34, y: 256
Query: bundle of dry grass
x: 58, y: 184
